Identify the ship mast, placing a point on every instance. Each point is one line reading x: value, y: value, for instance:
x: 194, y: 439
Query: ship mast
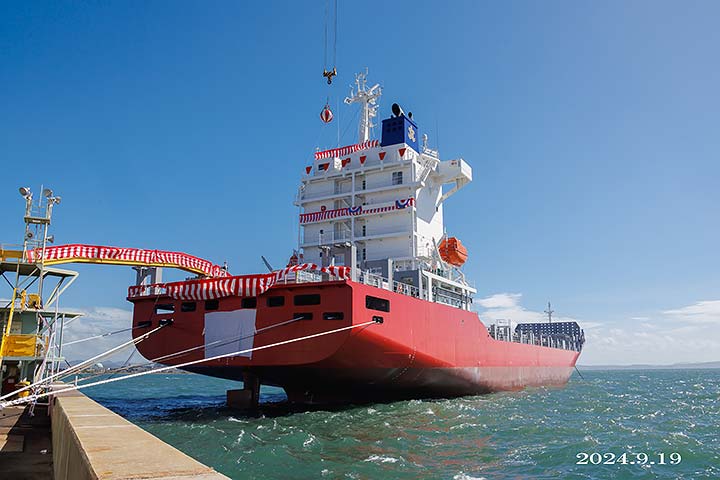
x: 549, y: 312
x: 367, y: 98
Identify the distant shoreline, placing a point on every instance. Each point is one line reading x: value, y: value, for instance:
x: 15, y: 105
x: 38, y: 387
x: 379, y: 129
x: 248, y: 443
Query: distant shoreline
x: 640, y: 366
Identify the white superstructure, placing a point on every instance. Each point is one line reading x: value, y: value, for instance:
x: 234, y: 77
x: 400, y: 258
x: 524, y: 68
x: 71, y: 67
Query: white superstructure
x: 378, y: 206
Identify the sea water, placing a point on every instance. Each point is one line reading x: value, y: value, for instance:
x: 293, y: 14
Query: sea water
x: 607, y: 425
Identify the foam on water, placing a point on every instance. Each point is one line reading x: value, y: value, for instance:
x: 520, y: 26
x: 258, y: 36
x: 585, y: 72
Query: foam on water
x: 530, y: 434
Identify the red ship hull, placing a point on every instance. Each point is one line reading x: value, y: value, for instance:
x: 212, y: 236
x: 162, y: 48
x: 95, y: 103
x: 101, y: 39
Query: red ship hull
x: 421, y: 349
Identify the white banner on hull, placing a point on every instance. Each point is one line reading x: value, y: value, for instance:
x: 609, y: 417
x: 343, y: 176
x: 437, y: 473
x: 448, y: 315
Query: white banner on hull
x: 237, y: 327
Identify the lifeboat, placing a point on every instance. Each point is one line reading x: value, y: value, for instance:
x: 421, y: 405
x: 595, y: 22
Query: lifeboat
x: 452, y: 251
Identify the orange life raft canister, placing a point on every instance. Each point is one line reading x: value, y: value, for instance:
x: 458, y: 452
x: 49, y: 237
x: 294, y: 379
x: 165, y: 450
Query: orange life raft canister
x: 452, y: 251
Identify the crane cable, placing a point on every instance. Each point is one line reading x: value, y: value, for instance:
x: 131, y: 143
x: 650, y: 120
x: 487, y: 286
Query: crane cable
x: 328, y: 72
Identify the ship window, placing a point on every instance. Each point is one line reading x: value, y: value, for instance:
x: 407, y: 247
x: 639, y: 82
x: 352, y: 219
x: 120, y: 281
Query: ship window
x: 164, y: 308
x: 312, y: 299
x: 302, y: 316
x: 375, y: 303
x: 249, y: 302
x: 212, y: 304
x: 364, y: 184
x: 364, y: 230
x: 188, y: 306
x: 397, y: 178
x: 276, y: 301
x: 333, y: 316
x: 364, y: 254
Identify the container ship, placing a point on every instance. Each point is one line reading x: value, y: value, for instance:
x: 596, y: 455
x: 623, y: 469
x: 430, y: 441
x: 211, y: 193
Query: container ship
x: 372, y: 253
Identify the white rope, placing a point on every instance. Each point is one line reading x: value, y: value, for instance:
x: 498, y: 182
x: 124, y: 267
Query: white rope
x: 98, y: 336
x: 31, y: 398
x: 69, y: 370
x: 219, y: 343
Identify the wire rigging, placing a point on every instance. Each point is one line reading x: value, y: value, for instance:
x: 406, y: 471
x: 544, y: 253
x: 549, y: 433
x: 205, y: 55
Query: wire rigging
x: 328, y: 71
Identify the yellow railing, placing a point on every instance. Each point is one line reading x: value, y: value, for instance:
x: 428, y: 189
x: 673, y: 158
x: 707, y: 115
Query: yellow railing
x: 6, y: 254
x: 20, y: 346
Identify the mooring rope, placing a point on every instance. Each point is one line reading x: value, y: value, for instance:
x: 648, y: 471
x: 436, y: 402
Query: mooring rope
x: 100, y: 336
x: 216, y: 343
x: 34, y: 397
x: 70, y: 370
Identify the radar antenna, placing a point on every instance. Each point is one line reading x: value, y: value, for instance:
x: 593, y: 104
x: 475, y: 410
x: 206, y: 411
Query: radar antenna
x: 367, y: 98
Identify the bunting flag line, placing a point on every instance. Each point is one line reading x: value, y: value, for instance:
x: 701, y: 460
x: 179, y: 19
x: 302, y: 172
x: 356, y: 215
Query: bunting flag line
x: 240, y: 286
x: 131, y: 256
x: 342, y: 151
x: 352, y: 211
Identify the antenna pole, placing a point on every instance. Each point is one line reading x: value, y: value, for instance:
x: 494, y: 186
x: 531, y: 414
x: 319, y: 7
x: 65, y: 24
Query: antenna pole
x: 549, y: 312
x: 367, y: 98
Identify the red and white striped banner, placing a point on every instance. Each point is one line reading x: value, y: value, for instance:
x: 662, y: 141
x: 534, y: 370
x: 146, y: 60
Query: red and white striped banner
x: 100, y: 254
x: 352, y: 211
x: 339, y: 152
x: 239, y: 286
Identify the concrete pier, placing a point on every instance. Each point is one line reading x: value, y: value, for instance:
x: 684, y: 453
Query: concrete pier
x: 91, y: 442
x: 25, y: 444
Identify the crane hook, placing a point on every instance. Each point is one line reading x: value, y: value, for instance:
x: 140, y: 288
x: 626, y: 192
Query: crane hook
x: 329, y: 75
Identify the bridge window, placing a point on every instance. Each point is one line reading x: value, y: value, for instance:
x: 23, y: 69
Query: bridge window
x: 161, y: 308
x: 375, y: 303
x: 397, y: 178
x: 188, y: 306
x: 311, y: 299
x: 212, y: 304
x: 303, y: 316
x: 333, y: 316
x: 278, y: 301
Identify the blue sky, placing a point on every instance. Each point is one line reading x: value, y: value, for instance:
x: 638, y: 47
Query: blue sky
x: 592, y: 129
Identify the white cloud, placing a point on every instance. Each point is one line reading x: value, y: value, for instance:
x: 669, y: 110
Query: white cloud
x: 700, y: 312
x: 500, y: 300
x: 685, y: 334
x: 506, y: 306
x: 98, y: 321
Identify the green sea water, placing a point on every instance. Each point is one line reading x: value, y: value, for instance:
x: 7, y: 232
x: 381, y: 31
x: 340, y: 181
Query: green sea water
x: 533, y: 434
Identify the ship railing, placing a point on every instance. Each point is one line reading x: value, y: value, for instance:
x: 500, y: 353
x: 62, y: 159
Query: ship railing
x: 563, y: 342
x: 406, y: 289
x: 327, y: 238
x: 146, y: 290
x: 302, y: 276
x: 369, y: 278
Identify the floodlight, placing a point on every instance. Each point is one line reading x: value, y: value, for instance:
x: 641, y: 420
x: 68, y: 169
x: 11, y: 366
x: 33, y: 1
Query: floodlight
x: 47, y: 193
x: 25, y: 192
x: 50, y: 239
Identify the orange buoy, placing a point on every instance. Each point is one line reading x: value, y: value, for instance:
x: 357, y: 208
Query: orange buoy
x: 452, y: 251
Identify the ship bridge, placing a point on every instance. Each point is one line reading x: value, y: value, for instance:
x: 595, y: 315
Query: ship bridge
x: 377, y: 206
